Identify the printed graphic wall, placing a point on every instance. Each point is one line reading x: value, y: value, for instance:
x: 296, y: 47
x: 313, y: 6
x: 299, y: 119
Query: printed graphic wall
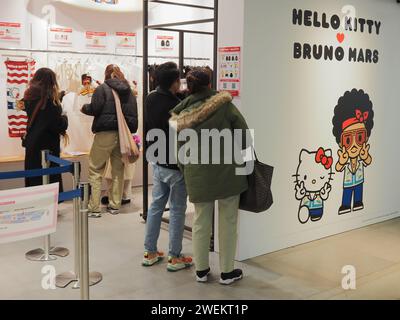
x: 322, y: 93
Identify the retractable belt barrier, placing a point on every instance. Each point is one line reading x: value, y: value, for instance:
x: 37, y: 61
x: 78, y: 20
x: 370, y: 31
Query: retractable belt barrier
x: 80, y: 196
x: 64, y: 167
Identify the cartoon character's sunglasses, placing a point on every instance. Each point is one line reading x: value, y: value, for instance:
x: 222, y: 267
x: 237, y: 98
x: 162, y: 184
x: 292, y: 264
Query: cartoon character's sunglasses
x: 359, y: 136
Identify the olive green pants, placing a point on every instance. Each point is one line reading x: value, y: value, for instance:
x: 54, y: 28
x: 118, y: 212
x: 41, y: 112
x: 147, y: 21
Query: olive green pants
x: 227, y: 231
x: 106, y: 147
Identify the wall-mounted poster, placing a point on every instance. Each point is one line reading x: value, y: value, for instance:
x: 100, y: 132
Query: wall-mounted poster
x: 10, y: 32
x: 165, y: 43
x: 60, y: 37
x: 96, y: 40
x: 28, y: 213
x: 229, y: 70
x: 126, y: 40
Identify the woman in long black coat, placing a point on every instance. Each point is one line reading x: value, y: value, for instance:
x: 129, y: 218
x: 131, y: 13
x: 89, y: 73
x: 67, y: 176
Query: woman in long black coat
x: 46, y: 123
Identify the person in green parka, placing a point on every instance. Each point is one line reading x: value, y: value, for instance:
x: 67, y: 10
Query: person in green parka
x: 205, y: 110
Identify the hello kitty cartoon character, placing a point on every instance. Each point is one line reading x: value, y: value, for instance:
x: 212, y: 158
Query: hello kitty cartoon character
x: 313, y: 177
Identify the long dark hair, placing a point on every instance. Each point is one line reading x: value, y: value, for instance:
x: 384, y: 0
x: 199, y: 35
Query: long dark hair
x: 43, y: 87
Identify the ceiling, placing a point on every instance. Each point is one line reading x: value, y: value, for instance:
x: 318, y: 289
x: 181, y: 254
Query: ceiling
x: 121, y: 6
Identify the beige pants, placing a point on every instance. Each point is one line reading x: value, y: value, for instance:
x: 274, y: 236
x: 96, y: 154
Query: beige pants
x: 202, y: 229
x: 129, y: 174
x: 106, y: 147
x: 127, y: 190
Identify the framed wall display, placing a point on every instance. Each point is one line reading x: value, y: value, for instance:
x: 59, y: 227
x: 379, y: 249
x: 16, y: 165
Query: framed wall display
x: 126, y: 40
x: 60, y: 37
x: 10, y: 32
x: 96, y: 40
x: 229, y: 70
x: 165, y: 43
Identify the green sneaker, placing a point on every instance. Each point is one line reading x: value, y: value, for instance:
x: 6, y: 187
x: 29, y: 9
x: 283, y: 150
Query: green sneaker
x: 150, y: 259
x: 181, y: 263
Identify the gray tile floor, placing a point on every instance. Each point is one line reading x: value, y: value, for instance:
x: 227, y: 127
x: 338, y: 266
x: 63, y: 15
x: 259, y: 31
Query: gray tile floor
x: 310, y: 271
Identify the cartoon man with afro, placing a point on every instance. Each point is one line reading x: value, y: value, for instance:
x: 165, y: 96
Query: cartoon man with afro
x: 352, y: 126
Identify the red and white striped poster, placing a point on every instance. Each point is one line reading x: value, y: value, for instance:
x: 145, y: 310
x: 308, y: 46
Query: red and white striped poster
x: 19, y: 73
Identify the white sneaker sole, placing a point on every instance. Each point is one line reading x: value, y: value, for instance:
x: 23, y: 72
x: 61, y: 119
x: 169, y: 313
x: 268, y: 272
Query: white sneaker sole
x: 150, y: 263
x: 228, y: 282
x: 202, y: 280
x: 95, y: 215
x: 344, y: 212
x: 180, y: 268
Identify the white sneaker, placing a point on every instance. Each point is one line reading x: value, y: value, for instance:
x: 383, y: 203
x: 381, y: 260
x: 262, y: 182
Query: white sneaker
x: 202, y: 276
x: 95, y: 215
x: 112, y: 211
x: 229, y: 278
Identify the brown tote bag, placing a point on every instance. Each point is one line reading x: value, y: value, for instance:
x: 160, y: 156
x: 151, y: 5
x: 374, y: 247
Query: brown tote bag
x: 129, y: 150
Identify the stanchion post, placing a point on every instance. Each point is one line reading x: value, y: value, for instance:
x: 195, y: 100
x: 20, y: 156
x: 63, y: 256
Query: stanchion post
x: 64, y: 279
x: 76, y: 218
x: 81, y: 275
x: 46, y: 180
x: 84, y: 244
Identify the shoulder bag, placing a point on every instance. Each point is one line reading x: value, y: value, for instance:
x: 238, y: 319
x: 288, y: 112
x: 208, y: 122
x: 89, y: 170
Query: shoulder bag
x: 129, y: 150
x: 258, y: 198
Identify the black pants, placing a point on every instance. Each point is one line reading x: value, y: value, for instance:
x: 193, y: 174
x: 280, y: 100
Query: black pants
x: 33, y: 160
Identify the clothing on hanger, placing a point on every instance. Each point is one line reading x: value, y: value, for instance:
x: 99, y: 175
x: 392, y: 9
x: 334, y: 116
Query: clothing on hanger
x: 19, y: 73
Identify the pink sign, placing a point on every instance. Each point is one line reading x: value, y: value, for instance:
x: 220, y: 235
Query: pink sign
x: 28, y: 213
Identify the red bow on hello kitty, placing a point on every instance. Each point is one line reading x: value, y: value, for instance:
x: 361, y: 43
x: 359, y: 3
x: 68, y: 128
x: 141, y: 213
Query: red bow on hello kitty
x: 361, y: 117
x: 322, y: 158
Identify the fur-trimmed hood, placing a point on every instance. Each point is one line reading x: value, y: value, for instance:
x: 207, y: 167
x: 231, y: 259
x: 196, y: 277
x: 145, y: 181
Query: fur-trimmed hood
x: 192, y: 118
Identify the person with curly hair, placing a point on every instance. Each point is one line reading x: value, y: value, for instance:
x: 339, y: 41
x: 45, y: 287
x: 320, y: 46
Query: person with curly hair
x: 352, y: 126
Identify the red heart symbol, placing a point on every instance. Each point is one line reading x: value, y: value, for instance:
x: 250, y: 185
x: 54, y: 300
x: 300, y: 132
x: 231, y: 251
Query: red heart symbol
x: 340, y: 37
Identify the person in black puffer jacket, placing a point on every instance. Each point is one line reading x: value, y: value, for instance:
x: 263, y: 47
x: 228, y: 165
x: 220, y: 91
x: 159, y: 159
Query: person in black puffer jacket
x: 106, y: 142
x: 47, y: 123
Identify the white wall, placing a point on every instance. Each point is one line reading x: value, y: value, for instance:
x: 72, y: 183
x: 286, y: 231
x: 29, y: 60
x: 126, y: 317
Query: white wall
x: 230, y: 34
x: 290, y: 103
